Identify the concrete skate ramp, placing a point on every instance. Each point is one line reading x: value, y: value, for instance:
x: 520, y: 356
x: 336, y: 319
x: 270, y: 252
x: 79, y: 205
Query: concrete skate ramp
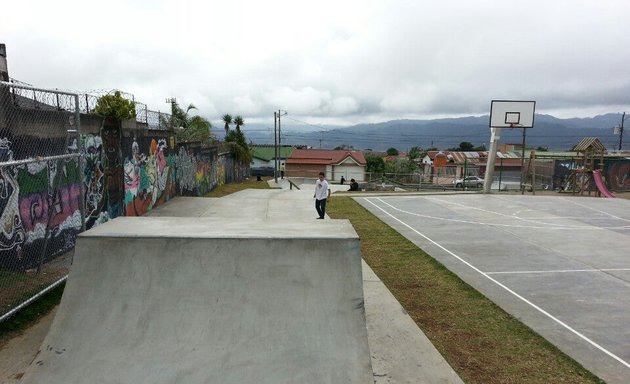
x: 172, y: 300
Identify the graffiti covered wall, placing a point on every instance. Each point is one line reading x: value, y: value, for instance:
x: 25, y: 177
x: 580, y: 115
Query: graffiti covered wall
x: 149, y: 178
x: 196, y: 170
x: 94, y: 181
x: 41, y: 199
x: 617, y: 174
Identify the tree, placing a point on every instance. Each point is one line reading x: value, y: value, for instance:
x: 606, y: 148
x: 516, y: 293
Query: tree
x: 198, y: 129
x: 238, y: 120
x: 344, y: 147
x: 375, y: 164
x: 227, y: 119
x: 466, y: 146
x: 414, y: 153
x: 240, y: 149
x: 178, y: 113
x: 392, y: 152
x: 193, y: 128
x: 400, y: 166
x: 115, y: 106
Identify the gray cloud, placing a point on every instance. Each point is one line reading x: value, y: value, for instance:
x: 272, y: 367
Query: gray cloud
x: 324, y: 62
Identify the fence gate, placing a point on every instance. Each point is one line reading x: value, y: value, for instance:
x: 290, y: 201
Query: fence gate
x: 41, y: 191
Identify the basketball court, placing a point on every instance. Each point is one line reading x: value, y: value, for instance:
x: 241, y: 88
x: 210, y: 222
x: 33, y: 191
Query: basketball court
x: 559, y: 264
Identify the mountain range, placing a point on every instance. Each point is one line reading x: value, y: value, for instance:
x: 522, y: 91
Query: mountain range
x: 548, y: 132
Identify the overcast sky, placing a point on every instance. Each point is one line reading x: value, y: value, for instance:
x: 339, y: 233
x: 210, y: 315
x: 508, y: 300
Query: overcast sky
x: 328, y: 62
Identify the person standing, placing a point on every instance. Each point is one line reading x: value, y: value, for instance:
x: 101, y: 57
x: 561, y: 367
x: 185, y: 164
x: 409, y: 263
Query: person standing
x: 282, y: 170
x: 322, y: 193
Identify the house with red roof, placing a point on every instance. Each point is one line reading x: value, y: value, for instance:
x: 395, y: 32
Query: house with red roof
x: 334, y: 163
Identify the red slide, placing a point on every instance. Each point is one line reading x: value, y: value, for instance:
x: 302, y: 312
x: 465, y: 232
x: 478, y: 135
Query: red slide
x: 597, y: 175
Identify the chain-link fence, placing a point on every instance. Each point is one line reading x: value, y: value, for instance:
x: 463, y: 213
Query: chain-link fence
x: 425, y: 178
x: 153, y: 119
x: 41, y: 190
x: 64, y: 168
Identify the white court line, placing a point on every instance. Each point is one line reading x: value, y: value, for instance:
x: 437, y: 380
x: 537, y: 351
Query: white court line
x: 597, y: 210
x: 559, y: 271
x: 544, y: 226
x: 539, y: 309
x: 512, y: 216
x: 572, y: 201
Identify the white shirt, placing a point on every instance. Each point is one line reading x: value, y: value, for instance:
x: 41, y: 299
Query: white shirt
x: 321, y: 189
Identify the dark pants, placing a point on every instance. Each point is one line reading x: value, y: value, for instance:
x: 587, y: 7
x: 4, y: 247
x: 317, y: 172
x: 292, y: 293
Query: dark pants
x: 320, y: 206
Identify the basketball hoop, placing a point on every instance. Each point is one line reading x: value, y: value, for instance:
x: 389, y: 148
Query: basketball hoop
x: 507, y: 114
x: 512, y: 114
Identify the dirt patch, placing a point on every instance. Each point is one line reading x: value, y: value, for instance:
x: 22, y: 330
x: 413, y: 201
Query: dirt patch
x: 17, y: 353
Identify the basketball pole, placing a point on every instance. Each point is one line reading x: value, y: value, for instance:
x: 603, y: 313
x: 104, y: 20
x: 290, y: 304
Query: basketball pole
x: 523, y: 165
x: 492, y: 154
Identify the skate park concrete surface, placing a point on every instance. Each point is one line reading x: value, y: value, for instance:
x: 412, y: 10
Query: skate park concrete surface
x: 560, y: 264
x: 248, y: 288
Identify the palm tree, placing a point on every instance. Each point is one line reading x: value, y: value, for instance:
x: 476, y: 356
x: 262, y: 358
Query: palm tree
x: 238, y: 120
x: 227, y: 118
x: 198, y: 129
x: 195, y: 128
x: 180, y: 116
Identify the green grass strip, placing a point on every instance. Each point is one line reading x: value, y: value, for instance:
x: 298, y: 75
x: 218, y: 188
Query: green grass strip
x: 249, y: 183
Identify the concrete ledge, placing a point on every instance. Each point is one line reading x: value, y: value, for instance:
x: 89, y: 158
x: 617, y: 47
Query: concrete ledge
x: 216, y: 227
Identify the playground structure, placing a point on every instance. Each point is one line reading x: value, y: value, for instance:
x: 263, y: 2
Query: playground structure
x: 590, y: 161
x: 585, y: 175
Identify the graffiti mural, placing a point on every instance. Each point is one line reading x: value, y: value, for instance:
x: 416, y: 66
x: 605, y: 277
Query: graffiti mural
x: 12, y: 234
x: 220, y: 175
x: 39, y: 200
x: 194, y: 173
x: 94, y: 181
x: 112, y: 164
x: 618, y: 175
x: 148, y: 178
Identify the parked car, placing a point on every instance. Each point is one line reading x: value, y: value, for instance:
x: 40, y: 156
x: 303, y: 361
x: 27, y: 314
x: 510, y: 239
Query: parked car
x: 469, y: 181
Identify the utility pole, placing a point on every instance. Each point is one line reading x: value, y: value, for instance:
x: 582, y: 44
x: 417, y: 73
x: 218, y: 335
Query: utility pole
x: 172, y: 101
x: 172, y: 124
x: 280, y: 113
x: 275, y: 146
x: 623, y: 117
x: 277, y: 141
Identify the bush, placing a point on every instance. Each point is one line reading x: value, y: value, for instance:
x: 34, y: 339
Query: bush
x: 115, y: 106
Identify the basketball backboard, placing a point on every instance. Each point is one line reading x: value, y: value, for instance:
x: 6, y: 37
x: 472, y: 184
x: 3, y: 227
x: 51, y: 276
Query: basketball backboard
x: 512, y: 114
